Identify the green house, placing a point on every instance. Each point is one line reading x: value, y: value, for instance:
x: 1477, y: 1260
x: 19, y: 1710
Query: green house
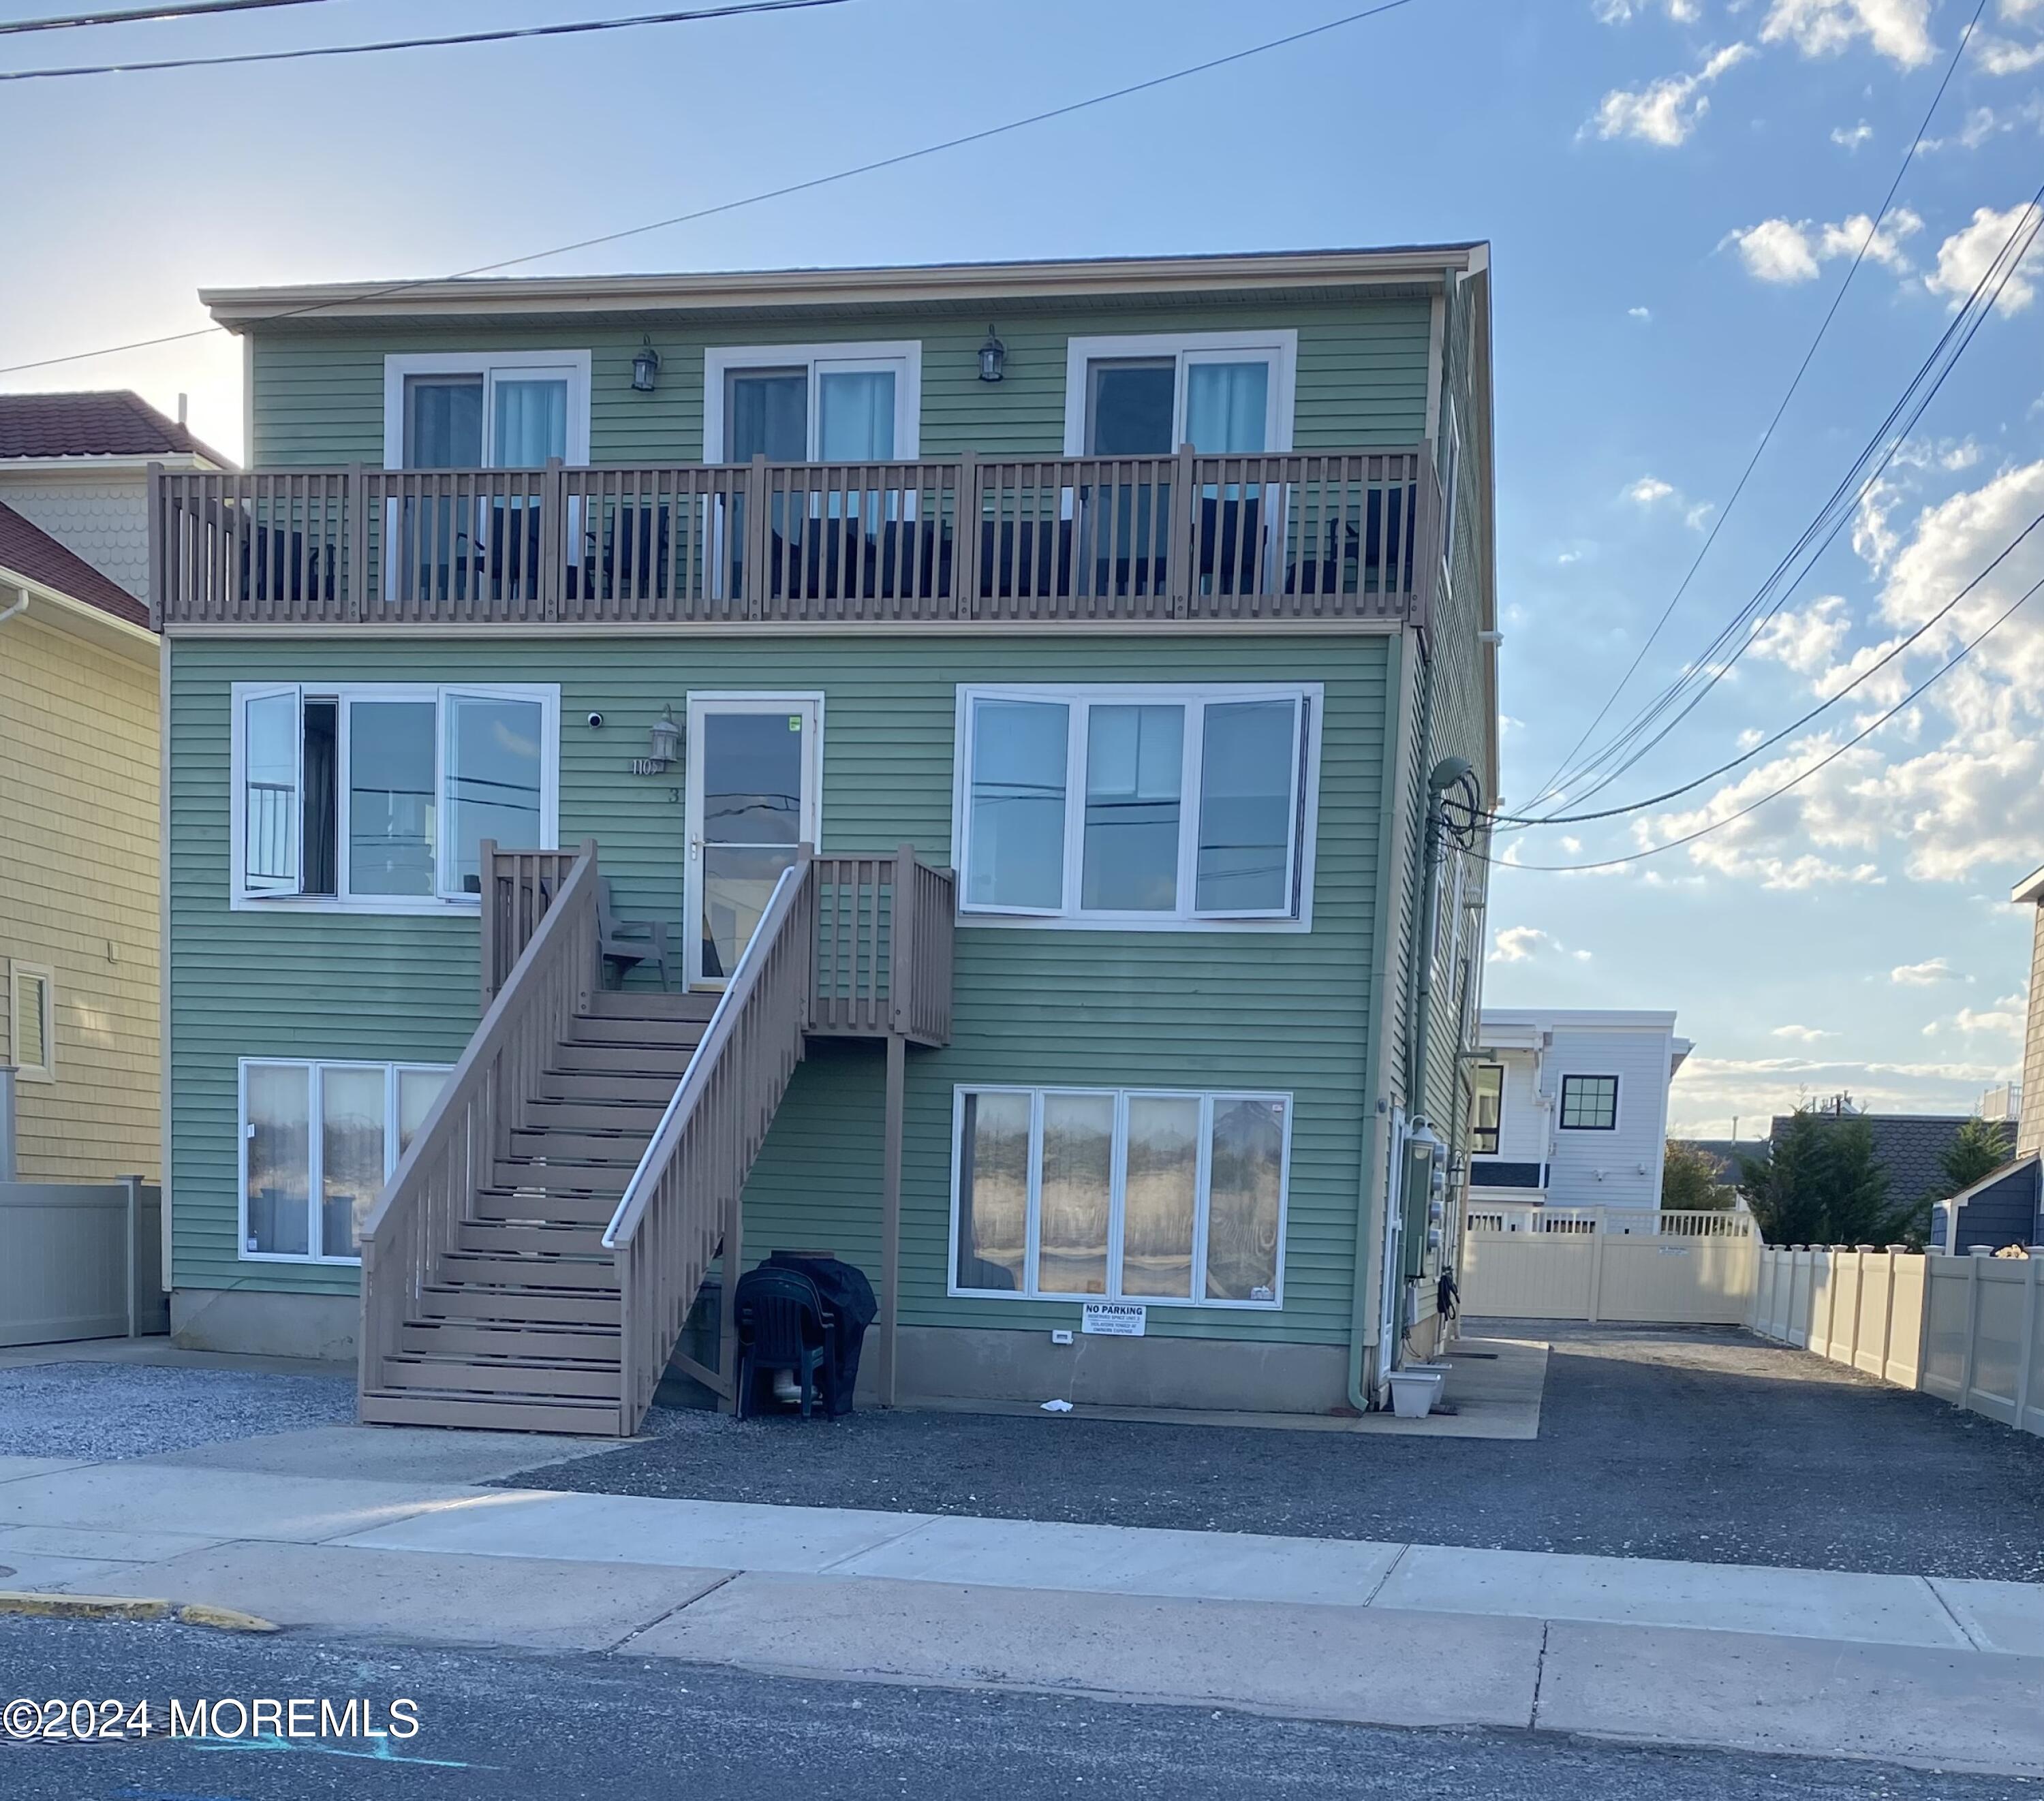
x: 973, y: 771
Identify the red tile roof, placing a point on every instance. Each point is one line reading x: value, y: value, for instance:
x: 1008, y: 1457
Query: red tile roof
x: 28, y: 550
x: 111, y: 422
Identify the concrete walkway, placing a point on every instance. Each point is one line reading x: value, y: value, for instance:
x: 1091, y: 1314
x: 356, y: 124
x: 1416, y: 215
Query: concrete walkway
x: 409, y: 1546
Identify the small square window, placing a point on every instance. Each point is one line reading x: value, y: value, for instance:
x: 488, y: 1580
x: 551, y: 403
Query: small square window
x: 1589, y: 1104
x: 32, y: 1009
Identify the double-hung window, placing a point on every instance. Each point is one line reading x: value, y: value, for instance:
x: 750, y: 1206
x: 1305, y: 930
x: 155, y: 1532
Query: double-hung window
x: 819, y: 403
x: 318, y: 1142
x: 376, y: 796
x: 1147, y: 806
x: 1224, y: 392
x: 1128, y: 1194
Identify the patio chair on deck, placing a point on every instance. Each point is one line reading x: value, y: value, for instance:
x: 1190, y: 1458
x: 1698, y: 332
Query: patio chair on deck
x: 782, y: 1324
x: 628, y: 941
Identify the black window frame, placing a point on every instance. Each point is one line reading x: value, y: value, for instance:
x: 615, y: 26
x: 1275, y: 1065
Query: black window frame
x: 1569, y: 1085
x: 1479, y: 1134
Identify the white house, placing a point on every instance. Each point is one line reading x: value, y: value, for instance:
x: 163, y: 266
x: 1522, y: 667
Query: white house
x: 1571, y: 1110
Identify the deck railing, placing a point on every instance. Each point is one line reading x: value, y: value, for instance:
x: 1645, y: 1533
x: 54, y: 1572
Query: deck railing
x: 1319, y: 535
x: 414, y: 1222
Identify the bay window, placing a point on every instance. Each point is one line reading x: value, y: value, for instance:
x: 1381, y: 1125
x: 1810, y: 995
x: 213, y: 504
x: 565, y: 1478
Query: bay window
x: 376, y: 797
x: 1160, y: 1197
x: 1147, y: 806
x: 319, y: 1140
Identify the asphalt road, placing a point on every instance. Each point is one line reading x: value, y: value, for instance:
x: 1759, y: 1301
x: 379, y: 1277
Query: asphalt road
x: 1700, y: 1444
x: 514, y: 1728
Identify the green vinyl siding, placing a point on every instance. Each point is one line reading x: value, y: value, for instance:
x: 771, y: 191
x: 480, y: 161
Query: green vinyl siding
x: 1201, y: 1010
x: 318, y: 395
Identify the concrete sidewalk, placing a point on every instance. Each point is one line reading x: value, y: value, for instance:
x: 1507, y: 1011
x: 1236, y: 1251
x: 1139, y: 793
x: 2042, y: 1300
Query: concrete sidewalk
x: 408, y: 1547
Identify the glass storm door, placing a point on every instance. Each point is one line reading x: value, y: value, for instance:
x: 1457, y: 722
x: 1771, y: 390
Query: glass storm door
x: 753, y: 761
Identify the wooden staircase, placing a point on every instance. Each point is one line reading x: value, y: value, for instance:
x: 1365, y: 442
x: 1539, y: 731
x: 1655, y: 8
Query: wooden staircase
x: 520, y: 1329
x: 532, y: 1262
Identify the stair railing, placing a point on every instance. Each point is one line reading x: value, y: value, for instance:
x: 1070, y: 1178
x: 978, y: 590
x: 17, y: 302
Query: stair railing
x: 680, y: 1207
x: 417, y: 1217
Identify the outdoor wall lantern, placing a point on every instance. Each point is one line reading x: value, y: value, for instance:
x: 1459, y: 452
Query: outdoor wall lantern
x: 646, y: 368
x: 993, y: 357
x: 666, y: 737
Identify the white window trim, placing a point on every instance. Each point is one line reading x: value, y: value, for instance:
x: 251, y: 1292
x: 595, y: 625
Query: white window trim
x: 19, y: 974
x: 1280, y: 346
x: 314, y: 1175
x: 1207, y: 1097
x: 241, y: 900
x: 903, y: 355
x: 1074, y: 695
x: 396, y: 367
x: 1617, y: 1100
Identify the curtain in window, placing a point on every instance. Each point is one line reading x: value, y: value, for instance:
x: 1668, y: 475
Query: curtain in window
x: 351, y: 1142
x: 993, y: 1248
x: 1244, y: 1197
x: 1227, y: 406
x: 856, y: 416
x: 279, y: 1150
x: 532, y: 422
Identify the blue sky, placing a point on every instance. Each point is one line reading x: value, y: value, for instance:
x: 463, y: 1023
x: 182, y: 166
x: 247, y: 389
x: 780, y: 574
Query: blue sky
x: 1673, y: 189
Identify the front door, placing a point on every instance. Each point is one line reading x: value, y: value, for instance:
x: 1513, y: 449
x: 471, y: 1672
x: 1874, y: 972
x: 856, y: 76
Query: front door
x: 755, y: 762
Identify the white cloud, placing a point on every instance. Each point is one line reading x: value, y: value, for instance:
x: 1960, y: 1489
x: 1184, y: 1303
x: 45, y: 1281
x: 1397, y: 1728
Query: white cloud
x: 1522, y: 944
x: 1786, y: 252
x: 1852, y: 137
x: 1802, y: 1035
x: 2005, y: 1019
x: 1639, y: 312
x: 1969, y: 254
x: 1998, y: 56
x: 1708, y: 1091
x: 1648, y: 489
x: 1897, y: 29
x: 1806, y: 641
x: 1981, y: 123
x: 1926, y: 974
x: 1624, y: 12
x: 1665, y: 112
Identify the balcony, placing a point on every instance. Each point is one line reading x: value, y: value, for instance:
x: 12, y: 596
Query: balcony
x: 1304, y: 536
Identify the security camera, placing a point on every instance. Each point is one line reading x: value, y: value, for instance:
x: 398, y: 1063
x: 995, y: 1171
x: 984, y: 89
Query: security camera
x: 596, y: 722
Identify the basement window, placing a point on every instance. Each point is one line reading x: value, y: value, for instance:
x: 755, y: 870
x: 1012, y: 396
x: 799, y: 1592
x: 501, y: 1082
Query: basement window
x: 374, y: 797
x: 318, y: 1142
x: 1160, y: 1196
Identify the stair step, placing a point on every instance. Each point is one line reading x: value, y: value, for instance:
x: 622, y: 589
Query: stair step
x: 496, y: 1238
x: 504, y: 1205
x: 562, y: 1144
x: 564, y: 1178
x: 466, y: 1269
x: 580, y: 1417
x: 623, y: 1116
x: 533, y: 1376
x: 684, y: 1034
x: 669, y: 1061
x: 443, y: 1301
x: 649, y: 1003
x: 605, y: 1085
x: 487, y: 1338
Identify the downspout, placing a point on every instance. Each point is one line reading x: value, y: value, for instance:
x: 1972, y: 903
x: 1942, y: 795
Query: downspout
x: 1446, y: 774
x: 21, y: 606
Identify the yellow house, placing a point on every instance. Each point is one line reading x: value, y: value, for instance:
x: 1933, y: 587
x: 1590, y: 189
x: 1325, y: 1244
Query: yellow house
x: 80, y: 893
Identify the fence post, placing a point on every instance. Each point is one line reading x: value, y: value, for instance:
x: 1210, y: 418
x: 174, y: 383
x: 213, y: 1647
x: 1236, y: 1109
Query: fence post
x: 7, y: 1165
x: 965, y: 539
x: 485, y: 860
x: 553, y: 540
x: 901, y: 941
x: 1181, y: 567
x: 357, y: 505
x: 2030, y: 1293
x: 757, y: 536
x: 1972, y: 1325
x: 133, y: 1187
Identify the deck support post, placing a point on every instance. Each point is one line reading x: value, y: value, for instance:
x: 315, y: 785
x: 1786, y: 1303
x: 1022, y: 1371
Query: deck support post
x: 890, y: 1213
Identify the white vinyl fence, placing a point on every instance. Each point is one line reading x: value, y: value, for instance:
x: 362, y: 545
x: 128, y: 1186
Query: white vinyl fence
x: 80, y: 1260
x: 1611, y: 1263
x: 1965, y: 1329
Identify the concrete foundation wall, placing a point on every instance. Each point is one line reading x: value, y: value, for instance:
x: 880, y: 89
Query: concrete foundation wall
x: 968, y: 1363
x: 266, y: 1325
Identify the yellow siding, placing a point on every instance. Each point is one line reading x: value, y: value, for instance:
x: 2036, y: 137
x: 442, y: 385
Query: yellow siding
x: 78, y: 749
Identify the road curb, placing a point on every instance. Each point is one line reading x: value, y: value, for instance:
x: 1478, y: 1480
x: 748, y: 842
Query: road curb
x: 124, y: 1608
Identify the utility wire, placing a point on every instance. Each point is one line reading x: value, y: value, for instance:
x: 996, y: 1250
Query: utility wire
x: 805, y: 187
x: 1816, y: 536
x: 573, y: 28
x: 1795, y: 782
x: 1794, y: 726
x: 137, y: 15
x: 1558, y: 778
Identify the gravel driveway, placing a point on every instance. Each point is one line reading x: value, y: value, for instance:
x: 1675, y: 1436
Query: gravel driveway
x: 1702, y: 1443
x: 94, y: 1410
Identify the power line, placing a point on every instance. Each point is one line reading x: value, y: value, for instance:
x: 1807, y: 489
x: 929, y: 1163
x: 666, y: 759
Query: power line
x: 1795, y: 781
x: 1796, y: 382
x: 135, y: 15
x: 807, y: 185
x: 1816, y: 536
x: 573, y: 28
x: 1794, y: 726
